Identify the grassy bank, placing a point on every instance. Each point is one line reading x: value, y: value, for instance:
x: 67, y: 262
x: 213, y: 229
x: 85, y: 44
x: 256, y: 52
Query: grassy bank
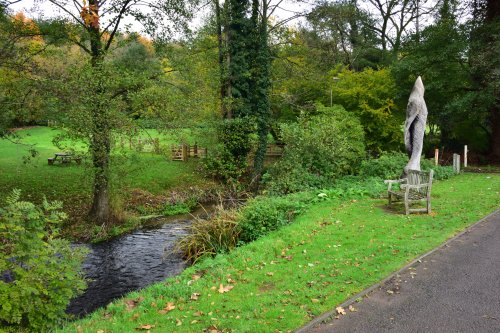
x: 283, y: 280
x: 132, y: 172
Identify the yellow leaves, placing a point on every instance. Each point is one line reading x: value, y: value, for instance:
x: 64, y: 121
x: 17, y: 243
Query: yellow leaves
x: 314, y: 300
x: 352, y: 308
x: 269, y: 273
x: 340, y: 310
x: 169, y: 307
x: 225, y: 289
x: 89, y: 15
x: 145, y: 327
x: 195, y: 296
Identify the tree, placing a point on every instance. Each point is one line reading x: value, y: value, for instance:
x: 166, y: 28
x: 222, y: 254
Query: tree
x: 99, y: 23
x: 396, y: 19
x: 345, y: 32
x: 369, y: 94
x: 484, y: 50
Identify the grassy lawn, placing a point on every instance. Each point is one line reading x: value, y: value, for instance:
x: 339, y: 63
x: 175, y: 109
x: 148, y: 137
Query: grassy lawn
x: 72, y: 183
x: 283, y: 280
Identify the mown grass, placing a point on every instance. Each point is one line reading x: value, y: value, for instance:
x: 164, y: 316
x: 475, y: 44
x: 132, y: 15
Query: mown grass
x: 72, y: 183
x: 286, y: 278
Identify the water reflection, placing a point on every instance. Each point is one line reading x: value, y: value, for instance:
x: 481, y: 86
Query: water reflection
x: 129, y: 263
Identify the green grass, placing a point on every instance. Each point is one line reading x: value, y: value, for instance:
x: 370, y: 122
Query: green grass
x: 71, y: 183
x: 283, y: 280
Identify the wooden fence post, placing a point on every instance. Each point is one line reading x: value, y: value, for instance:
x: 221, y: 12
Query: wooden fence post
x: 436, y: 156
x: 195, y: 150
x: 465, y: 156
x: 185, y: 152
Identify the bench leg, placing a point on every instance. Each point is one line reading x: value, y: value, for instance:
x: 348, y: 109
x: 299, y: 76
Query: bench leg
x: 407, y: 205
x: 390, y: 198
x: 428, y: 205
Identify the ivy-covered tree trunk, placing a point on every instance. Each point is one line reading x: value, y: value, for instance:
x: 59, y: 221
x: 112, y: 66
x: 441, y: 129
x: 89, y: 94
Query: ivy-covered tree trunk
x: 100, y: 146
x: 223, y: 59
x: 238, y: 67
x: 261, y: 82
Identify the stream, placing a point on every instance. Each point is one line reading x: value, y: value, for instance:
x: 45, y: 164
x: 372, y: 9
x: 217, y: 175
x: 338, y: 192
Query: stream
x: 128, y: 263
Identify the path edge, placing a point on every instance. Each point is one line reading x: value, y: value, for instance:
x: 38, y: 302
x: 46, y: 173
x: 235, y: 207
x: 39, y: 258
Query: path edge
x: 332, y: 313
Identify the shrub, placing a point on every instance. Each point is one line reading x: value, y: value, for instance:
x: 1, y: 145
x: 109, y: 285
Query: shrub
x: 228, y: 162
x: 39, y: 273
x: 318, y: 150
x: 391, y: 165
x: 265, y: 214
x: 387, y: 166
x: 207, y: 238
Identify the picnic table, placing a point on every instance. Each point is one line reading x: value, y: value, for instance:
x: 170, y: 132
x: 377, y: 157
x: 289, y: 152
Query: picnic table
x: 64, y: 158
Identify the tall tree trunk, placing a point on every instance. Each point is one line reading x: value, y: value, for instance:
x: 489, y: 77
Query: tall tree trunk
x: 224, y: 89
x: 262, y: 65
x: 100, y: 146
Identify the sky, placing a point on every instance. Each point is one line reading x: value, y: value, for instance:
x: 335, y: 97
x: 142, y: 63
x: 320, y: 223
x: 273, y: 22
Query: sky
x: 287, y: 9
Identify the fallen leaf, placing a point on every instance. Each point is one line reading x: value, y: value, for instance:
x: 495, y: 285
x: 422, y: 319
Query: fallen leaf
x: 195, y: 277
x: 145, y: 327
x: 352, y: 308
x: 314, y: 300
x: 132, y: 303
x: 225, y: 289
x: 179, y: 322
x: 194, y: 296
x: 198, y: 314
x: 269, y: 273
x: 134, y: 317
x: 340, y: 310
x: 169, y: 307
x: 194, y: 322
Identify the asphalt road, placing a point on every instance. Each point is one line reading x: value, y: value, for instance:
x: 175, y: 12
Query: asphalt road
x: 454, y: 289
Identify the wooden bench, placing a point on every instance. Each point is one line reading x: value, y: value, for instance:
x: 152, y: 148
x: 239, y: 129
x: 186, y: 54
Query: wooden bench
x: 416, y: 187
x: 64, y: 158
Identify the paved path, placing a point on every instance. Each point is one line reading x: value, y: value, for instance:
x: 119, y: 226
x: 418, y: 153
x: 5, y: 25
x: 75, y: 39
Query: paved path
x: 454, y: 289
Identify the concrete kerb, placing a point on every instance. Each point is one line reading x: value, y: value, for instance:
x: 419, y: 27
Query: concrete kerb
x: 333, y: 313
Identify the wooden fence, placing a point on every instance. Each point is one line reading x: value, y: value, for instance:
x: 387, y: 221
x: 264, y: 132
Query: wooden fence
x: 183, y: 152
x: 274, y: 150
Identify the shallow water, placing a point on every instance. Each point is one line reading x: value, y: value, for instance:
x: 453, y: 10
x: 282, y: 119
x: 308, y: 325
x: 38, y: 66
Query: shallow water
x: 129, y: 263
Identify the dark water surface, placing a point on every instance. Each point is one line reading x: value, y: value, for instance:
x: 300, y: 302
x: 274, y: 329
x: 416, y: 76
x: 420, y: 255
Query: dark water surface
x: 129, y: 263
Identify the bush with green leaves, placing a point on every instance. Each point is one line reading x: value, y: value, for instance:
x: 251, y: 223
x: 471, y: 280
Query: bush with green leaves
x: 229, y: 160
x: 265, y: 214
x: 319, y: 149
x: 390, y: 166
x: 39, y: 273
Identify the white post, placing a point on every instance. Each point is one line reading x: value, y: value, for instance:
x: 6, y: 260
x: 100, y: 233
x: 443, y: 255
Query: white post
x: 456, y: 163
x: 436, y: 156
x: 465, y: 156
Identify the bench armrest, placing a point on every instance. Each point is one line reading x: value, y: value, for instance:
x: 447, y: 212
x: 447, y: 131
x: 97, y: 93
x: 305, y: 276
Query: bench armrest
x: 389, y: 182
